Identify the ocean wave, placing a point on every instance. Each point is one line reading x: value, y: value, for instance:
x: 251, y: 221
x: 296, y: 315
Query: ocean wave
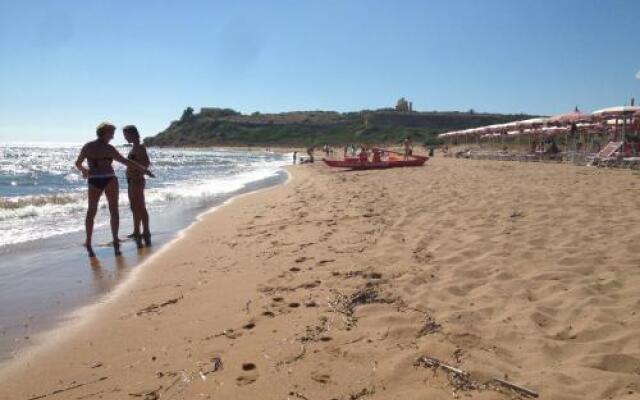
x: 39, y: 208
x: 52, y: 201
x: 12, y: 203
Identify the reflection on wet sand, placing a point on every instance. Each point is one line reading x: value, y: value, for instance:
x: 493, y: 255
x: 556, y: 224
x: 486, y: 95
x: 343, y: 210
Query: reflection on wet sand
x: 109, y: 271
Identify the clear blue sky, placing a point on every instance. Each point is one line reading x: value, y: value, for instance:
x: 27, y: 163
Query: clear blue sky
x: 67, y: 65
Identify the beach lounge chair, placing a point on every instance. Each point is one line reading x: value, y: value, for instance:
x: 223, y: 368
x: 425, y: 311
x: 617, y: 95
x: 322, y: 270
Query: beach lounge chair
x: 606, y: 155
x: 609, y: 150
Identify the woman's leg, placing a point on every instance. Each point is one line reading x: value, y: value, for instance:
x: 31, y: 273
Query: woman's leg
x: 136, y: 230
x: 141, y: 217
x: 92, y: 210
x: 144, y: 216
x: 133, y: 202
x: 112, y: 193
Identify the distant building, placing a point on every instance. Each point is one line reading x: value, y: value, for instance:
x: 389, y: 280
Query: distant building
x: 404, y: 106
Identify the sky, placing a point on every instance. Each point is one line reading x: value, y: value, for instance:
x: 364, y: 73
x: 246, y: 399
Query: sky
x: 67, y: 65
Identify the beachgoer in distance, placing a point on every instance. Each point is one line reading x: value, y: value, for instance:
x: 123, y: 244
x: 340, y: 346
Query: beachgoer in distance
x: 102, y: 178
x: 136, y: 184
x: 408, y: 148
x: 553, y: 148
x: 346, y: 149
x: 295, y: 157
x: 310, y: 150
x: 363, y: 156
x: 377, y: 155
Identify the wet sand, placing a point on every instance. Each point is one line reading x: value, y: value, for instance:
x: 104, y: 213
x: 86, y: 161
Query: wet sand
x: 42, y: 282
x: 334, y: 285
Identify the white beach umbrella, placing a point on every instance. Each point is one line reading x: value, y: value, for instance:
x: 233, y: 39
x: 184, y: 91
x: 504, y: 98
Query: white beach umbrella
x: 533, y: 122
x: 619, y: 111
x: 554, y: 130
x: 570, y: 118
x: 612, y: 115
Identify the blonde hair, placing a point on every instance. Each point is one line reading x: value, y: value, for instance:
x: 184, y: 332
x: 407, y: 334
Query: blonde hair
x: 104, y: 127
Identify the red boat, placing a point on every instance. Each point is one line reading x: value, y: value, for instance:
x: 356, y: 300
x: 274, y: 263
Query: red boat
x: 392, y: 161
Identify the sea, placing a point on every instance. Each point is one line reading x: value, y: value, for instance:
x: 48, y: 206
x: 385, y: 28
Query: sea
x: 45, y: 273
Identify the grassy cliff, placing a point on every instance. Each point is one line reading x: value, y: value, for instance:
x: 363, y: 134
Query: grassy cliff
x: 218, y: 127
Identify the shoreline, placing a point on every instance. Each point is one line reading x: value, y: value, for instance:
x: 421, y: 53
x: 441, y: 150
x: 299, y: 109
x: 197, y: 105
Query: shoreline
x: 77, y: 282
x: 334, y: 284
x: 84, y: 315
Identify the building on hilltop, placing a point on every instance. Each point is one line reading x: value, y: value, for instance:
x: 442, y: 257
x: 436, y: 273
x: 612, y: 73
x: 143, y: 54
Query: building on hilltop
x: 404, y: 106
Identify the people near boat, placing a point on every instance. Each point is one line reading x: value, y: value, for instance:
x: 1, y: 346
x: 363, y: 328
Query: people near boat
x: 135, y: 187
x: 326, y: 149
x: 377, y: 155
x: 346, y: 150
x: 353, y: 150
x: 101, y: 178
x: 408, y: 148
x: 310, y: 151
x: 295, y: 156
x: 363, y: 155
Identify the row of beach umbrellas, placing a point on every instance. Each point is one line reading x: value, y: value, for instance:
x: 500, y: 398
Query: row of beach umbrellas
x: 556, y: 125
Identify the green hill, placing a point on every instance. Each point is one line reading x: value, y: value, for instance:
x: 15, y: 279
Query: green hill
x: 226, y: 127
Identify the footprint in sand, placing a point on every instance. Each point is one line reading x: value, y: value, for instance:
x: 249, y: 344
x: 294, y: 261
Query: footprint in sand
x: 320, y: 377
x: 248, y: 366
x: 250, y: 377
x: 294, y: 305
x: 249, y: 326
x: 294, y: 269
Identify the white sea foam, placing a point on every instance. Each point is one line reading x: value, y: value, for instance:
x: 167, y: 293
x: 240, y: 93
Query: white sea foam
x: 41, y: 194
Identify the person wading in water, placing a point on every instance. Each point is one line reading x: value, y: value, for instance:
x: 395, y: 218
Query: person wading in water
x: 102, y: 178
x: 135, y: 186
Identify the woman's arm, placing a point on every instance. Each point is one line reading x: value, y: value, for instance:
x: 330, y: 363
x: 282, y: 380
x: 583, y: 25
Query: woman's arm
x: 144, y: 157
x: 81, y: 157
x: 130, y: 163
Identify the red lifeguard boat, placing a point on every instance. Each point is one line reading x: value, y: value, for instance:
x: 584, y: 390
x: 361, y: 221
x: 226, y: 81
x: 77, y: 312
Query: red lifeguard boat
x: 393, y: 160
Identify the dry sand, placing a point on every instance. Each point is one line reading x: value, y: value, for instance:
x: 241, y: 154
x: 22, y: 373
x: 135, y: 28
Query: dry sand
x: 527, y: 272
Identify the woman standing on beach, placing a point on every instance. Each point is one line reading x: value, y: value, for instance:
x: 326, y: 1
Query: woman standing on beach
x: 136, y: 184
x: 102, y: 178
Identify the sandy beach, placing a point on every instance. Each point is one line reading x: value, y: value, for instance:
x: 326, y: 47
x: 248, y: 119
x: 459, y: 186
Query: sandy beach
x: 333, y: 285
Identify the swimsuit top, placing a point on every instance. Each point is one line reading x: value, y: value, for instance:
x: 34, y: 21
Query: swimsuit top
x: 133, y: 172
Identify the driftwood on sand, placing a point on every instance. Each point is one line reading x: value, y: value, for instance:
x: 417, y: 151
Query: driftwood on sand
x: 461, y: 379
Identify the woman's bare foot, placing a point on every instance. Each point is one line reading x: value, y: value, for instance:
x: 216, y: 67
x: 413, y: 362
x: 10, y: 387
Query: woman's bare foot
x: 138, y: 238
x: 147, y: 239
x: 116, y: 248
x: 90, y: 251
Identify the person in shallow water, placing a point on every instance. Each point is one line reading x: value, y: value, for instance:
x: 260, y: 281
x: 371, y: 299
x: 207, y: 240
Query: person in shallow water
x: 102, y: 178
x: 135, y: 185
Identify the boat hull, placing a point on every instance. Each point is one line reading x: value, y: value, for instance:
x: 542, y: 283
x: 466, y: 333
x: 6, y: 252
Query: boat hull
x: 416, y: 161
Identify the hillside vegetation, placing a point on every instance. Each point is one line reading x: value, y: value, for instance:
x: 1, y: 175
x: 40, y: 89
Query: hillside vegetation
x: 223, y: 126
